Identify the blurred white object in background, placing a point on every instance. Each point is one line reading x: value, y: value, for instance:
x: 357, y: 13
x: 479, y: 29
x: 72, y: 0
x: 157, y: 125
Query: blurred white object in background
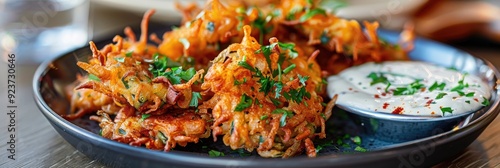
x: 390, y: 13
x: 37, y: 30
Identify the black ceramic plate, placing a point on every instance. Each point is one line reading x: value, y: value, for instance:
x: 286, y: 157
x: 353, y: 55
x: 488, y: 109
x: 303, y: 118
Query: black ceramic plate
x: 52, y: 76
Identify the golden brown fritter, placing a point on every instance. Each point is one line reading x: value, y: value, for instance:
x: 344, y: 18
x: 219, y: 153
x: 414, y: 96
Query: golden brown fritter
x: 265, y: 98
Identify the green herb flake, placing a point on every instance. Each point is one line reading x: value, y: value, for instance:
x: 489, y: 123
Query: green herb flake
x: 162, y: 137
x: 440, y: 95
x: 380, y: 78
x: 263, y: 117
x: 257, y: 102
x: 323, y: 116
x: 120, y: 59
x: 311, y: 13
x: 290, y: 48
x: 411, y: 89
x: 125, y: 83
x: 245, y: 102
x: 195, y: 96
x: 160, y: 64
x: 285, y: 114
x: 236, y: 82
x: 356, y: 140
x: 145, y: 116
x: 324, y: 145
x: 243, y: 63
x: 129, y: 54
x: 303, y: 79
x: 275, y: 102
x: 470, y: 94
x: 467, y: 101
x: 289, y: 68
x: 92, y: 77
x: 435, y: 86
x: 485, y: 102
x: 215, y: 153
x: 360, y: 149
x: 446, y: 110
x: 279, y: 88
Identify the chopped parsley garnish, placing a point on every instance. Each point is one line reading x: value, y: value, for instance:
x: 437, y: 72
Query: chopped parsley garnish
x: 145, y: 116
x: 297, y: 95
x: 176, y: 75
x: 460, y: 86
x: 266, y: 51
x: 276, y: 102
x: 261, y: 23
x: 470, y: 94
x: 289, y: 68
x: 266, y: 84
x: 303, y: 79
x: 467, y: 101
x: 129, y: 54
x: 411, y: 89
x: 321, y: 146
x: 360, y: 149
x: 380, y: 78
x: 245, y: 102
x: 215, y: 153
x: 195, y: 96
x: 236, y: 82
x: 263, y: 117
x: 356, y: 140
x: 125, y: 83
x: 323, y: 116
x: 162, y: 137
x: 440, y: 95
x: 485, y: 102
x: 243, y: 63
x: 285, y: 114
x: 446, y: 110
x: 160, y: 64
x: 309, y: 14
x: 279, y: 88
x: 120, y: 59
x: 92, y: 77
x: 290, y: 48
x: 435, y: 86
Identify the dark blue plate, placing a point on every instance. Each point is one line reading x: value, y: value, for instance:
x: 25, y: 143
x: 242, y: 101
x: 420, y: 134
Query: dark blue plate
x: 339, y: 148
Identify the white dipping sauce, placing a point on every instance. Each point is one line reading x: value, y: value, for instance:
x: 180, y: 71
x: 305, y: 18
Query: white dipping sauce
x: 410, y: 88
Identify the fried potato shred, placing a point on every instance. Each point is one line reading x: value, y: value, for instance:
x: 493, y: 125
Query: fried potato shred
x: 249, y: 75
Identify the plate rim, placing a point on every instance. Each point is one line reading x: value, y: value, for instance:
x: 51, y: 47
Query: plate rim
x: 189, y: 158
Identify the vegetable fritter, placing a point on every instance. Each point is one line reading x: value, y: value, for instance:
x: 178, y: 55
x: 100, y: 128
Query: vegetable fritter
x: 265, y: 98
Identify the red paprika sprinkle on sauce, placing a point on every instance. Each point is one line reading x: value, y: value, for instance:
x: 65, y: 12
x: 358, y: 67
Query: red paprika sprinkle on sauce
x: 385, y: 105
x: 428, y: 103
x: 398, y: 110
x: 376, y: 96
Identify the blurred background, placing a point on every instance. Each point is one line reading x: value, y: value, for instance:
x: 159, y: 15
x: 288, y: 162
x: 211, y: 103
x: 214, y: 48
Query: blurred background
x: 38, y: 30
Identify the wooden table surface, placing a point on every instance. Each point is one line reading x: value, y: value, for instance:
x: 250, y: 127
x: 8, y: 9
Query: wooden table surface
x: 39, y: 145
